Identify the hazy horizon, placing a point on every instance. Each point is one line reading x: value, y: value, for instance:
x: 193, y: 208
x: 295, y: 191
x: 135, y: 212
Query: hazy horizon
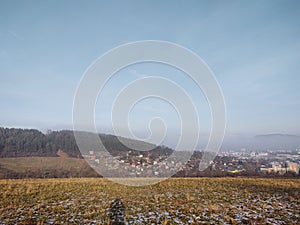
x: 257, y: 143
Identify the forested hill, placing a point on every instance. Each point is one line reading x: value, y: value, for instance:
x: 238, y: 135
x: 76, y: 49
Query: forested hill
x: 30, y: 142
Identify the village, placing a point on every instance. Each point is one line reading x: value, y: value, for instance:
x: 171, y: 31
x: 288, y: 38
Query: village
x: 227, y: 163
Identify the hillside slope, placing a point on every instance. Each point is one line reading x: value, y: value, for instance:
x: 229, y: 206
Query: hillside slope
x: 43, y: 167
x: 30, y: 142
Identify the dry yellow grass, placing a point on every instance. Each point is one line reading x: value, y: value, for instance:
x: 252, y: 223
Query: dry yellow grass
x: 45, y: 166
x: 174, y: 201
x: 22, y: 163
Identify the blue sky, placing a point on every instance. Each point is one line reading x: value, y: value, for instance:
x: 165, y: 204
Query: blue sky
x: 253, y: 47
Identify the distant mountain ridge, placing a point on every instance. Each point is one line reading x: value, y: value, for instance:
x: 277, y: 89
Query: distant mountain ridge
x: 277, y: 135
x: 16, y: 142
x: 263, y: 142
x: 277, y: 141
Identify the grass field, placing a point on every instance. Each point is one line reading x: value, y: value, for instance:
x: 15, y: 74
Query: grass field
x: 44, y: 167
x: 22, y: 163
x: 174, y: 201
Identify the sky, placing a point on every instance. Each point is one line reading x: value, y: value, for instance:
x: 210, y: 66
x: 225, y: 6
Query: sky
x: 252, y: 47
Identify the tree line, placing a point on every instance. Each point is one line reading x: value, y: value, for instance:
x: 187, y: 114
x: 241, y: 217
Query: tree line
x: 16, y: 142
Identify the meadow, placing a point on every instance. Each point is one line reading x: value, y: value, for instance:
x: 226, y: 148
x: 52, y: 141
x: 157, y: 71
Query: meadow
x: 173, y: 201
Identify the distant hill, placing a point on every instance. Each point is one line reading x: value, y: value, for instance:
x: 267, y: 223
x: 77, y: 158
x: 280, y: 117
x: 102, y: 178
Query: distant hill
x: 277, y: 141
x: 263, y: 142
x: 277, y: 136
x: 16, y: 142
